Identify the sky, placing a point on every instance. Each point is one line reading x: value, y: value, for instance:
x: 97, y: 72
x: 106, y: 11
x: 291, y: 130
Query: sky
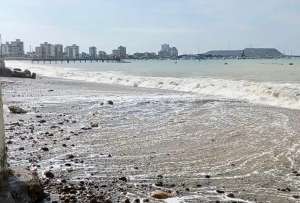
x: 193, y: 26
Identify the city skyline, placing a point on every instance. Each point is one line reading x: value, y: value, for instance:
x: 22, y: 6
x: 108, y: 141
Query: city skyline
x: 194, y: 26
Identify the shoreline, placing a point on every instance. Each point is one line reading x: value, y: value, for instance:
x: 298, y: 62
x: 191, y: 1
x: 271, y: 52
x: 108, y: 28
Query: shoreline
x: 149, y: 139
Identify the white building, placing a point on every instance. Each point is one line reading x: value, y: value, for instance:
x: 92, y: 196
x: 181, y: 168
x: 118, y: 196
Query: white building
x: 13, y: 49
x: 120, y: 52
x: 102, y: 54
x: 168, y: 52
x: 72, y: 52
x: 59, y: 53
x: 93, y: 52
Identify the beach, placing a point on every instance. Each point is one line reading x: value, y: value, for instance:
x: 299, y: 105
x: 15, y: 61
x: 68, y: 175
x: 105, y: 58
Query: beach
x: 111, y: 142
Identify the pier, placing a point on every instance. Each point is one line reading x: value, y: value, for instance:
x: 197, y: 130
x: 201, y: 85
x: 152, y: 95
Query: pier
x: 80, y: 60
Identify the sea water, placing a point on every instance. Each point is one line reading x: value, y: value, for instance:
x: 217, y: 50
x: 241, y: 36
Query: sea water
x: 274, y: 82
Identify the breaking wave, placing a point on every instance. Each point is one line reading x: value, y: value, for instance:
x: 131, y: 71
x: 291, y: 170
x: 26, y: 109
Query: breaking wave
x: 285, y: 95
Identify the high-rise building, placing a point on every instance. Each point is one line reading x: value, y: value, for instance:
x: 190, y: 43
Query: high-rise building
x: 93, y: 52
x: 13, y: 49
x: 102, y: 54
x: 45, y: 51
x: 58, y: 51
x: 72, y: 52
x: 120, y: 52
x: 168, y: 52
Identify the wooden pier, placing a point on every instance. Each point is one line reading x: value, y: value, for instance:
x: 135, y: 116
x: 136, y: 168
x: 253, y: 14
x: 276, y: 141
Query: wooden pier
x: 80, y: 60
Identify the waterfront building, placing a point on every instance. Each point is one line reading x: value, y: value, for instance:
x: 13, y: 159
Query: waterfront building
x: 13, y: 49
x: 168, y: 52
x: 44, y: 51
x: 123, y: 53
x: 93, y: 52
x: 120, y: 52
x: 102, y: 54
x: 58, y: 51
x: 145, y: 55
x: 72, y: 52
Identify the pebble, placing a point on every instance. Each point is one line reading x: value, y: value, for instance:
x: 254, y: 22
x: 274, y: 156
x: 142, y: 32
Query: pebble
x: 49, y: 174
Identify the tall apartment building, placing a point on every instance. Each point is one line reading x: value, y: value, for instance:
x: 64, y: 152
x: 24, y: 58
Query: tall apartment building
x: 13, y: 49
x: 168, y: 52
x: 58, y: 51
x: 120, y: 52
x: 72, y: 52
x: 93, y: 52
x: 49, y: 51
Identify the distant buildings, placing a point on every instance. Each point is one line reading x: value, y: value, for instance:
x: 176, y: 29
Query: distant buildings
x: 168, y: 52
x: 119, y: 53
x: 59, y: 51
x: 145, y: 55
x: 13, y: 49
x: 93, y: 52
x: 49, y: 51
x: 102, y: 54
x: 72, y: 52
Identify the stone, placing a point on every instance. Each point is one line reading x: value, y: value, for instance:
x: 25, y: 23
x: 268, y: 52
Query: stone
x: 45, y: 149
x: 124, y: 179
x: 231, y: 195
x: 110, y: 102
x: 49, y: 174
x: 16, y: 110
x: 161, y: 194
x: 25, y: 187
x: 94, y: 125
x: 42, y: 121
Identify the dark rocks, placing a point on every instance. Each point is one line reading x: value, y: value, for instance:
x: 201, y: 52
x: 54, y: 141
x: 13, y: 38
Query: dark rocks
x: 70, y: 156
x: 231, y: 195
x: 21, y: 148
x: 296, y: 196
x: 127, y: 201
x: 49, y: 174
x: 287, y: 189
x: 162, y: 195
x: 16, y: 110
x: 220, y: 191
x: 86, y: 128
x: 42, y: 121
x: 124, y: 179
x: 94, y: 125
x: 110, y: 102
x: 207, y: 176
x: 45, y: 149
x: 159, y: 183
x: 7, y: 72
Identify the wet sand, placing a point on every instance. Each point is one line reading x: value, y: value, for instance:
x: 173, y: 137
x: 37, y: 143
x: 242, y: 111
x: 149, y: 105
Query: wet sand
x: 201, y: 148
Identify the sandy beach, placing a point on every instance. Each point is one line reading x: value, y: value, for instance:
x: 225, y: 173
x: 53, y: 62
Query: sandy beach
x: 114, y: 143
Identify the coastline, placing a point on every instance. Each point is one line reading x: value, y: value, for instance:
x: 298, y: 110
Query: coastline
x: 151, y: 139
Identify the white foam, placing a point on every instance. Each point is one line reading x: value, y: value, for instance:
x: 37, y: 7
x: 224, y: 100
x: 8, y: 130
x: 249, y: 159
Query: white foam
x: 285, y: 95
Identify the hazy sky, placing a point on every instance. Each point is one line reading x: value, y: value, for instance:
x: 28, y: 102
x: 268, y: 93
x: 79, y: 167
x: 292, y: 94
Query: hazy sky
x: 193, y: 26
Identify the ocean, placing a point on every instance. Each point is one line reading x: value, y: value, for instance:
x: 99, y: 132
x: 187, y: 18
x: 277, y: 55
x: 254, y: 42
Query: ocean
x: 274, y: 82
x: 210, y: 131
